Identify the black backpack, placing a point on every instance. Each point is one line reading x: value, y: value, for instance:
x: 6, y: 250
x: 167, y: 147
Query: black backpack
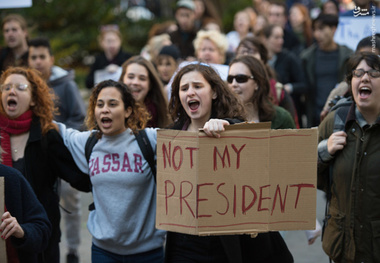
x: 144, y: 144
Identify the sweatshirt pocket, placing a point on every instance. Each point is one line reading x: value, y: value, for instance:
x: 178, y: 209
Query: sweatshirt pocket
x: 334, y: 236
x: 376, y: 240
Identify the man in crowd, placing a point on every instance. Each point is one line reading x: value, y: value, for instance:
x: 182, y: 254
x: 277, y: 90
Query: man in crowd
x: 324, y: 63
x: 185, y: 34
x: 277, y: 15
x: 15, y: 52
x: 72, y: 113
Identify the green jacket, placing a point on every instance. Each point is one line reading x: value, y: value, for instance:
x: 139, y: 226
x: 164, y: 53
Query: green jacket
x: 352, y: 233
x: 282, y: 119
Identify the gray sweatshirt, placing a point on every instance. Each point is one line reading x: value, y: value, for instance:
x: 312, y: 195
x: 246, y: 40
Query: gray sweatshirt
x: 70, y: 103
x: 124, y: 191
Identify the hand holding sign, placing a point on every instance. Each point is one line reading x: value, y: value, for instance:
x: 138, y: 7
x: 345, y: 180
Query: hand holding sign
x: 10, y: 227
x: 214, y: 127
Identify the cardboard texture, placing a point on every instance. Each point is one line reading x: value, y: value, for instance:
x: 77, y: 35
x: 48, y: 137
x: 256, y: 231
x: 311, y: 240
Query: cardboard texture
x: 252, y: 179
x: 3, y: 252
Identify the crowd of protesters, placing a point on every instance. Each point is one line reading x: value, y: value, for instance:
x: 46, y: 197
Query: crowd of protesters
x: 279, y: 64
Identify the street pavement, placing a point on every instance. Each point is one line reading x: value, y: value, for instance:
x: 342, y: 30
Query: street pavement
x: 296, y: 240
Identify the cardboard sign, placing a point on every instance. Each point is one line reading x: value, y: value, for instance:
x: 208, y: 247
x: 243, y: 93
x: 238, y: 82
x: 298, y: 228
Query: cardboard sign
x: 252, y: 179
x: 3, y: 252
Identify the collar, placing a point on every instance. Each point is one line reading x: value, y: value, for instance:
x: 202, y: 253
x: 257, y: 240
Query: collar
x: 355, y: 115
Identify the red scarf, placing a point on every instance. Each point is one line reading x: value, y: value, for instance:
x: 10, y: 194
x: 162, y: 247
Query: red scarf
x: 9, y: 127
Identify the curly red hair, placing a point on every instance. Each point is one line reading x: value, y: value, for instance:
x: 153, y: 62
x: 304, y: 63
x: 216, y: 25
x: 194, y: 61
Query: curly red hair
x: 42, y: 96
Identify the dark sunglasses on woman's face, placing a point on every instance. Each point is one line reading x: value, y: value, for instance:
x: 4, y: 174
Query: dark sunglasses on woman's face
x: 239, y: 78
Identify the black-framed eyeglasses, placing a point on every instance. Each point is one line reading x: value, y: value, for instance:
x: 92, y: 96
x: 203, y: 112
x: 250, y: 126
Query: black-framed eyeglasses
x: 18, y: 86
x: 240, y: 78
x: 373, y: 73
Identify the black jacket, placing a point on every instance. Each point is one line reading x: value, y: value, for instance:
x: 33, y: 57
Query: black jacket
x: 46, y: 159
x: 184, y: 42
x: 22, y: 203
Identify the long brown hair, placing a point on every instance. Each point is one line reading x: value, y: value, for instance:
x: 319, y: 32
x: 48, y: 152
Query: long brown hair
x: 136, y: 121
x: 261, y: 98
x: 156, y: 88
x: 42, y: 96
x: 226, y: 105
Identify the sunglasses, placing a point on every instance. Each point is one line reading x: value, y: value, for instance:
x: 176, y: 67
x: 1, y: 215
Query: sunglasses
x: 239, y: 78
x: 18, y: 86
x: 373, y: 73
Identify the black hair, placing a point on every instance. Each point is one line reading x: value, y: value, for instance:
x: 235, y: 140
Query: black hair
x: 370, y: 41
x: 326, y: 20
x: 40, y: 42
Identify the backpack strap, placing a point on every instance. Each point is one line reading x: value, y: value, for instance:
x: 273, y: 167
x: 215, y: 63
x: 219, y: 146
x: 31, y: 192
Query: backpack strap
x: 90, y: 143
x: 341, y: 111
x: 146, y: 149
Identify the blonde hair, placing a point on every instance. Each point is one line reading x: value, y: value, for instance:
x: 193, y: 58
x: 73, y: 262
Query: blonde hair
x: 216, y: 37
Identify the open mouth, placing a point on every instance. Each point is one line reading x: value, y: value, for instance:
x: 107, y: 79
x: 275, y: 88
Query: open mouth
x: 106, y: 122
x: 193, y: 105
x: 364, y: 92
x: 12, y: 104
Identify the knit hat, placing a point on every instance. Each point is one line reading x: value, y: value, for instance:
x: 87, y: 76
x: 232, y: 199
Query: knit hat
x: 171, y: 50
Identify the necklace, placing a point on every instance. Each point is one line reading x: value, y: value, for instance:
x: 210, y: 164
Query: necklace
x: 18, y: 143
